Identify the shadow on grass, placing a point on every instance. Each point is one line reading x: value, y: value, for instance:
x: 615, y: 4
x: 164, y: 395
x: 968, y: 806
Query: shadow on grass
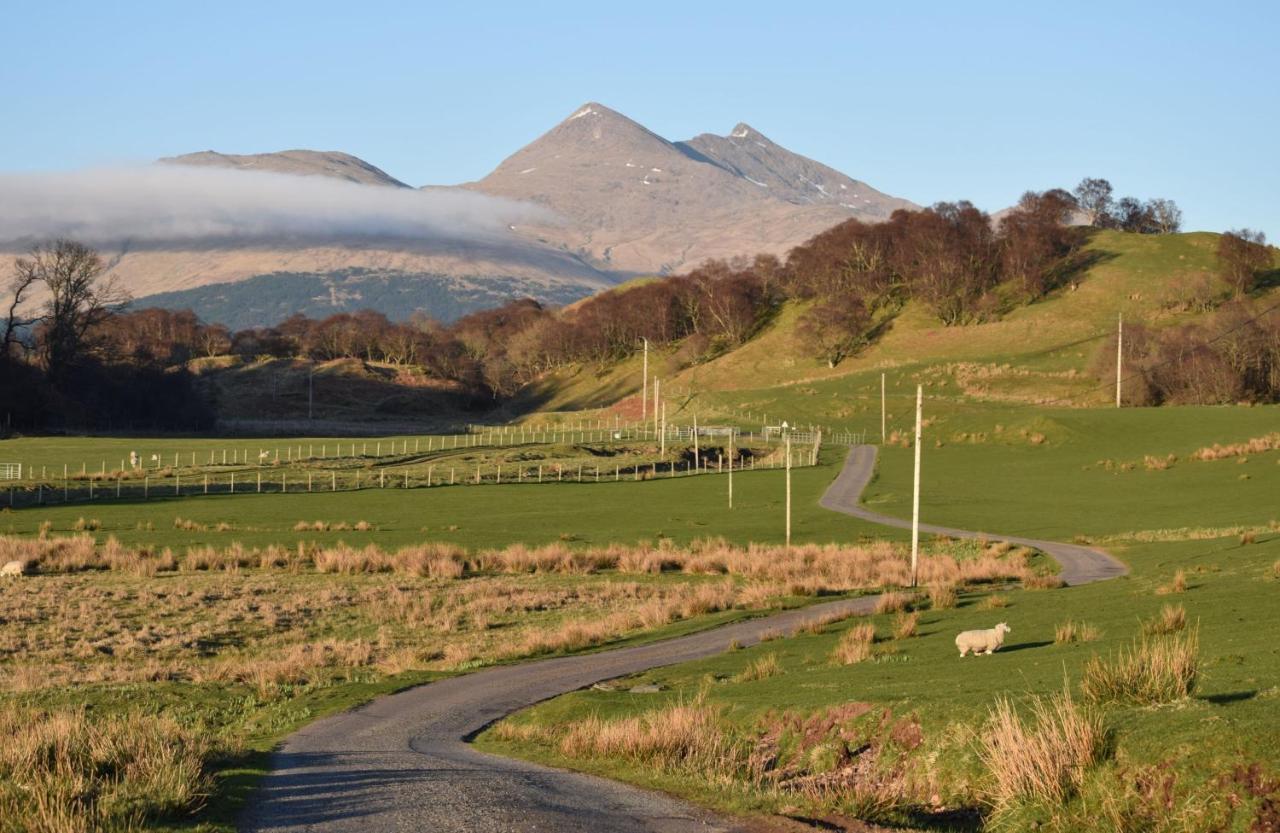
x: 1024, y: 646
x: 1229, y: 697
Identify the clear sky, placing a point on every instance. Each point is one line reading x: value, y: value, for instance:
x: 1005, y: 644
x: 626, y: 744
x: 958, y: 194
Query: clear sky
x: 927, y: 101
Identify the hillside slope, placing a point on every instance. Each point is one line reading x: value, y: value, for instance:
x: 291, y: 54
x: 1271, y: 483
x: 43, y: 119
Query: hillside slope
x: 1035, y: 353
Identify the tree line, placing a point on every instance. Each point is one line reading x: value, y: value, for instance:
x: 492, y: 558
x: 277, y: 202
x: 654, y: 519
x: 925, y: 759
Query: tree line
x: 79, y: 356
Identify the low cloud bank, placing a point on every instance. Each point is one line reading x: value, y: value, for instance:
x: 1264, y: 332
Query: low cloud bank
x: 173, y: 203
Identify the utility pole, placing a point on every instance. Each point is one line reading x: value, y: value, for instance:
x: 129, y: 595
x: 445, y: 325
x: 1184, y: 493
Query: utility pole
x: 657, y: 396
x: 786, y: 436
x: 915, y: 493
x: 644, y: 396
x: 1119, y: 354
x: 663, y: 447
x: 882, y: 410
x: 732, y: 432
x: 697, y: 462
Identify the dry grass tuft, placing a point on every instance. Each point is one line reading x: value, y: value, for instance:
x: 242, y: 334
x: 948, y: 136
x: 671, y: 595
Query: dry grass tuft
x: 681, y: 736
x: 994, y: 602
x: 1152, y: 671
x: 1172, y: 618
x: 905, y: 625
x: 818, y: 624
x: 61, y: 772
x: 855, y: 644
x: 1043, y: 581
x: 1247, y: 538
x: 761, y: 669
x: 893, y: 602
x: 1044, y: 757
x: 1073, y: 631
x: 1177, y: 585
x: 942, y: 596
x: 1256, y: 445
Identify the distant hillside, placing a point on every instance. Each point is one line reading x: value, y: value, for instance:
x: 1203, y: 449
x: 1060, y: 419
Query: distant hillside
x: 296, y: 162
x: 273, y: 298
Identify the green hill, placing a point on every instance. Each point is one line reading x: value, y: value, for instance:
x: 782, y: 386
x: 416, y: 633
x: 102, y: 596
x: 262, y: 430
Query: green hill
x: 1039, y: 353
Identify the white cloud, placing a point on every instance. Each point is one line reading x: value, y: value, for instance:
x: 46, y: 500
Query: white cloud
x: 164, y: 203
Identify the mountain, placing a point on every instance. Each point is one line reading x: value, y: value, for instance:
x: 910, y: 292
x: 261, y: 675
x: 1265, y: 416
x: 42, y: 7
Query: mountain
x: 790, y: 177
x: 296, y: 162
x: 596, y: 200
x: 635, y: 201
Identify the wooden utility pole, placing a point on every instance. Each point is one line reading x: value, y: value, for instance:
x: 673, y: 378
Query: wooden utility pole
x: 732, y: 431
x: 657, y: 396
x: 1119, y: 354
x: 882, y: 410
x: 696, y: 459
x: 663, y: 447
x: 644, y: 396
x: 915, y: 493
x: 786, y: 435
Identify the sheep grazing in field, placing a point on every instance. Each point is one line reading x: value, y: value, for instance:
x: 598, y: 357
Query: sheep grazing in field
x: 982, y: 642
x: 14, y: 568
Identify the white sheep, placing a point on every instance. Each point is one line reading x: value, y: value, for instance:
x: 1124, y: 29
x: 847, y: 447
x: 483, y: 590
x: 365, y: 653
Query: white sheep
x: 982, y: 642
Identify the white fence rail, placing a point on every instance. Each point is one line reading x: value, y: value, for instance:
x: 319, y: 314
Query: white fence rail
x: 10, y: 471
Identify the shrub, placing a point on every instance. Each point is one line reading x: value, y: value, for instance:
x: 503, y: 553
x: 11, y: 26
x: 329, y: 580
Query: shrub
x: 1044, y: 758
x: 1073, y: 631
x: 855, y: 644
x: 1153, y: 670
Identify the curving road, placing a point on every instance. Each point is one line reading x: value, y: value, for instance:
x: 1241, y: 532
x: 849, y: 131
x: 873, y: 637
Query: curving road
x: 402, y: 762
x: 1080, y: 564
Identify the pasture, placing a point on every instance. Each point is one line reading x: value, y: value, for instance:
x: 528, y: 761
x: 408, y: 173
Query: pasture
x: 240, y: 617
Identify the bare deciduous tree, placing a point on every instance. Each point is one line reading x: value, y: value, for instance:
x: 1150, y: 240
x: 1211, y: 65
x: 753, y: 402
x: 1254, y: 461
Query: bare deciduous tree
x: 78, y: 299
x: 1165, y: 215
x: 1094, y: 198
x: 1242, y: 255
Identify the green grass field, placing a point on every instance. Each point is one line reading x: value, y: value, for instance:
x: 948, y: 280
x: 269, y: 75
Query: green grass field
x: 1213, y: 520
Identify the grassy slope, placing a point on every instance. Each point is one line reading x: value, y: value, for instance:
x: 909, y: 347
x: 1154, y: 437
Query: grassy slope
x: 1131, y: 274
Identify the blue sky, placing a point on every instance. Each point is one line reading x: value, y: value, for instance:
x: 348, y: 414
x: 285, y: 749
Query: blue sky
x: 928, y: 101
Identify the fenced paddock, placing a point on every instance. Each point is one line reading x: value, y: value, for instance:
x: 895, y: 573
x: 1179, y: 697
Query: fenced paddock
x: 210, y: 468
